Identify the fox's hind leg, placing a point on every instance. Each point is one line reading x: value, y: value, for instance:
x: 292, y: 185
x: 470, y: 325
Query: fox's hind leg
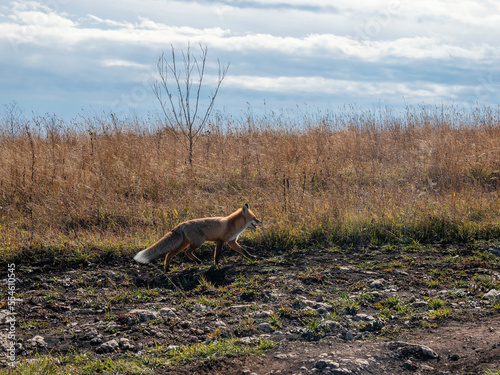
x: 173, y: 253
x: 190, y: 255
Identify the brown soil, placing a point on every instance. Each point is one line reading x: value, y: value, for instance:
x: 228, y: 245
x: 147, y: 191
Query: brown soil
x: 77, y: 309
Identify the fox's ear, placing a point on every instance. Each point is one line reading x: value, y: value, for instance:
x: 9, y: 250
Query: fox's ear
x: 245, y: 208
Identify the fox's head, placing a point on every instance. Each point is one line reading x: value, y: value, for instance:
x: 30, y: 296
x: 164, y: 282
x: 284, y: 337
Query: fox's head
x: 250, y: 216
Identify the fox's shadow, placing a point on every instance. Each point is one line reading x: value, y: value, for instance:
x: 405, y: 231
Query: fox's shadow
x: 218, y: 275
x: 187, y: 279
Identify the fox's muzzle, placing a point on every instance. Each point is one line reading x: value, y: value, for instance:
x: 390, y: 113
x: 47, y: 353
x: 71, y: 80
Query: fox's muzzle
x: 255, y: 223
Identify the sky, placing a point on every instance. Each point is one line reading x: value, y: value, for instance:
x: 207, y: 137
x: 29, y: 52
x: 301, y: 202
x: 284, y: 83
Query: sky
x: 66, y: 56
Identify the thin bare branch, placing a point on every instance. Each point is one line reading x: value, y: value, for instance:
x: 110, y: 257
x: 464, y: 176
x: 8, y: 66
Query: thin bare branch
x: 184, y: 113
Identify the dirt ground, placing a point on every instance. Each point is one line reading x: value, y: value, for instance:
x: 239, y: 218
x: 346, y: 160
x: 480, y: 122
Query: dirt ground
x: 376, y: 310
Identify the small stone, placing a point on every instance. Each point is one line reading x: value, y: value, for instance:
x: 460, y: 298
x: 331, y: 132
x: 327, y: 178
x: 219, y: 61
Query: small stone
x: 493, y: 295
x: 249, y: 340
x: 341, y: 371
x: 265, y: 327
x: 84, y: 311
x: 37, y: 341
x: 418, y: 304
x: 168, y: 312
x: 334, y: 326
x: 404, y: 348
x: 200, y: 307
x: 349, y: 336
x: 107, y: 347
x: 361, y: 362
x: 96, y: 340
x: 263, y: 314
x: 494, y: 250
x: 125, y: 344
x: 144, y: 315
x: 455, y: 357
x: 281, y: 356
x: 377, y: 284
x: 364, y: 317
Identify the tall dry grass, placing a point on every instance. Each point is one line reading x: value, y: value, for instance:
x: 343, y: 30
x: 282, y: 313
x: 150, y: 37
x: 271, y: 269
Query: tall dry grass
x: 427, y: 174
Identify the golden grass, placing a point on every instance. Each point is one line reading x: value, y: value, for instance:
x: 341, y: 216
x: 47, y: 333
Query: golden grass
x: 425, y: 175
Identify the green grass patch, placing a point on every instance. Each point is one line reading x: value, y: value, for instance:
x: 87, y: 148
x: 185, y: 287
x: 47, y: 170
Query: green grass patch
x: 145, y: 363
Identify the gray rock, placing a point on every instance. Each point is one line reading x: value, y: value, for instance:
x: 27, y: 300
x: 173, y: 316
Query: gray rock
x: 281, y: 356
x: 249, y: 340
x: 239, y: 307
x: 364, y: 317
x: 263, y: 314
x: 493, y: 295
x: 265, y: 327
x: 416, y: 350
x: 168, y: 312
x: 200, y: 307
x: 378, y: 284
x: 96, y: 340
x: 418, y: 304
x: 37, y: 341
x: 494, y: 250
x: 334, y: 327
x: 341, y: 371
x: 125, y: 344
x: 145, y: 315
x: 361, y: 362
x: 108, y: 347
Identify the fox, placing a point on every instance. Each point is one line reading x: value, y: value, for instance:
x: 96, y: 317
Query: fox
x: 191, y: 234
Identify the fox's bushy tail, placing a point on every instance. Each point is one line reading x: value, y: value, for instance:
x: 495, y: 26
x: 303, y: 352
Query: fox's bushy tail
x: 168, y: 243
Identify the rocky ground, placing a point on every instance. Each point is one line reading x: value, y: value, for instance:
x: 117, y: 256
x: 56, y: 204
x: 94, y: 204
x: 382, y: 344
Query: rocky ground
x: 379, y: 310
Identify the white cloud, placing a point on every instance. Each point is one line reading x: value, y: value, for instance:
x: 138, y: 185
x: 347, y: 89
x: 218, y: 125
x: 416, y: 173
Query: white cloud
x: 124, y: 63
x: 430, y: 49
x: 321, y: 85
x: 57, y: 30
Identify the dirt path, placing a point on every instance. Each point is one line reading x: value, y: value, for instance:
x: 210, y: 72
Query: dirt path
x: 359, y: 311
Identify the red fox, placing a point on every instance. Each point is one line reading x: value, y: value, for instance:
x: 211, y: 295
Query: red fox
x: 193, y: 233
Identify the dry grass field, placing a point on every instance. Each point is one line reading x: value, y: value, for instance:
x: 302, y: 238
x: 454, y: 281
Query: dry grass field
x: 429, y: 174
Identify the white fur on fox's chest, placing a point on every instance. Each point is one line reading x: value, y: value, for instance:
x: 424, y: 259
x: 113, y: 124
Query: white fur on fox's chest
x: 236, y: 235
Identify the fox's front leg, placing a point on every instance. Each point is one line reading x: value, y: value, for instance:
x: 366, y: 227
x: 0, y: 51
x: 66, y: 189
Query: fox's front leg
x: 236, y: 247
